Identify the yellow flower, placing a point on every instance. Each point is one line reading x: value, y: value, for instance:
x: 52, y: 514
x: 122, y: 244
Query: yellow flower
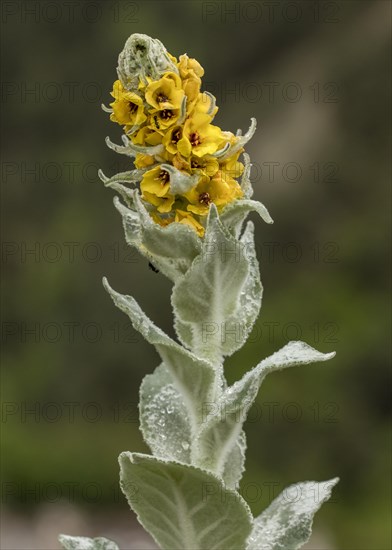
x: 180, y: 163
x: 128, y: 107
x: 221, y: 189
x: 155, y: 187
x: 189, y: 67
x: 146, y: 136
x: 200, y: 137
x: 231, y: 166
x: 203, y: 105
x: 191, y: 72
x: 162, y: 119
x: 142, y: 161
x: 171, y: 139
x: 191, y: 87
x: 172, y: 58
x: 186, y: 218
x: 162, y: 204
x: 165, y: 93
x: 208, y: 166
x: 143, y: 82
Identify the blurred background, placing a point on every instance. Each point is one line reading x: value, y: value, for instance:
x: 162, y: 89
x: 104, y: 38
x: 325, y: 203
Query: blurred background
x: 315, y: 75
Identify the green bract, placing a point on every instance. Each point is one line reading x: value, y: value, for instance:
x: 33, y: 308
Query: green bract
x: 186, y: 493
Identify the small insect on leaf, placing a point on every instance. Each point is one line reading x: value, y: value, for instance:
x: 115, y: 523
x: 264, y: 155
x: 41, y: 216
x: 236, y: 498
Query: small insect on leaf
x: 153, y: 268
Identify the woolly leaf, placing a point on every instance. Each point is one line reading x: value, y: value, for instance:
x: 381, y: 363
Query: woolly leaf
x: 84, y: 543
x: 182, y: 506
x: 235, y: 463
x: 213, y: 313
x: 170, y: 249
x: 223, y: 425
x: 234, y: 214
x: 164, y: 418
x: 194, y: 378
x: 287, y: 522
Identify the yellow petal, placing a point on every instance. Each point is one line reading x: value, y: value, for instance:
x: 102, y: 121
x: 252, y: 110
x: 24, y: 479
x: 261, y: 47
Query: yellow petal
x: 184, y: 146
x: 187, y: 219
x: 163, y: 204
x: 201, y: 210
x: 142, y: 161
x: 153, y: 183
x: 168, y: 87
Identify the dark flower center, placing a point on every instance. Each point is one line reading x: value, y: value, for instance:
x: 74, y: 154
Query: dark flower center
x: 162, y: 98
x: 204, y: 198
x: 167, y: 114
x: 176, y: 136
x: 195, y: 163
x: 163, y: 176
x: 194, y: 138
x: 132, y: 107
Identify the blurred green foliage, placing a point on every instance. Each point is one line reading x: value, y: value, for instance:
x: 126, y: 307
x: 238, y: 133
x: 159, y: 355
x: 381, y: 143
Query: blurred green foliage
x: 325, y: 277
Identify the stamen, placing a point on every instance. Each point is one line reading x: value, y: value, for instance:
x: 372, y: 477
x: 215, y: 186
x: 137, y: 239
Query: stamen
x: 132, y: 107
x: 161, y: 98
x: 166, y: 114
x: 204, y: 198
x: 194, y: 138
x: 176, y: 136
x: 163, y: 177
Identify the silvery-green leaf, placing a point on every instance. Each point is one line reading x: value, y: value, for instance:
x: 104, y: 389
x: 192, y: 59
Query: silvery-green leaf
x: 131, y: 150
x: 141, y: 57
x: 193, y: 377
x: 212, y: 106
x: 180, y: 182
x: 242, y: 139
x: 130, y: 217
x: 170, y: 249
x: 287, y: 522
x: 246, y: 184
x: 84, y: 543
x: 251, y: 295
x: 174, y: 246
x: 206, y: 300
x: 223, y: 425
x: 234, y: 214
x: 131, y: 176
x: 106, y: 109
x: 125, y: 192
x: 235, y: 464
x: 182, y: 115
x: 183, y: 507
x: 221, y: 152
x: 164, y: 417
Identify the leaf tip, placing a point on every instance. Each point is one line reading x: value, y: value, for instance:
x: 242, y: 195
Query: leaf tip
x: 106, y: 285
x: 213, y: 212
x: 124, y: 458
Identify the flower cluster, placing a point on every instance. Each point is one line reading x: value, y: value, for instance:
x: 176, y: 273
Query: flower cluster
x: 186, y: 162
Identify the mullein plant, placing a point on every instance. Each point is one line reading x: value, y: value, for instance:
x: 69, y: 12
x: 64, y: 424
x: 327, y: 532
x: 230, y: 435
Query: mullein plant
x: 184, y: 208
